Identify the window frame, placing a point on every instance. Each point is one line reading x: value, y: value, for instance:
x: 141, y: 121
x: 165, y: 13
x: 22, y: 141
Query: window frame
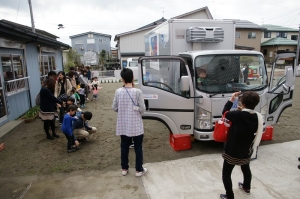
x: 237, y: 35
x: 267, y: 34
x: 251, y: 35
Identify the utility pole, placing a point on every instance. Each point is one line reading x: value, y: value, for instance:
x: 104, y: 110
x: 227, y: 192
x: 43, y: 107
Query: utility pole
x: 298, y: 46
x: 31, y: 14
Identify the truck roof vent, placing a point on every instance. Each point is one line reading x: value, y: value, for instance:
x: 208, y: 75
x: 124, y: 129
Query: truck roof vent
x: 204, y: 34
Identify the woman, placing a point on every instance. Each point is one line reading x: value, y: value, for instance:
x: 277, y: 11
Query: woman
x: 129, y: 104
x: 72, y: 79
x: 62, y: 90
x: 245, y: 133
x: 47, y: 102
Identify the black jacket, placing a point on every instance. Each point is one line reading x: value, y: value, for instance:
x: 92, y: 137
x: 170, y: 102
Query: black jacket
x: 47, y: 100
x: 241, y: 133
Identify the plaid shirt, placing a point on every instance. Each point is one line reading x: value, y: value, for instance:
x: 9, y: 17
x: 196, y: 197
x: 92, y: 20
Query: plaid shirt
x: 129, y: 121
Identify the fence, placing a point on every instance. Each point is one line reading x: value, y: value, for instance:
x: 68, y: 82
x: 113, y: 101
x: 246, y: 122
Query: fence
x: 16, y: 86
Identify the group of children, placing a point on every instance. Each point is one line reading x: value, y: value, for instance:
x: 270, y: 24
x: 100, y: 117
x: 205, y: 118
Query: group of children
x: 73, y: 111
x: 80, y: 95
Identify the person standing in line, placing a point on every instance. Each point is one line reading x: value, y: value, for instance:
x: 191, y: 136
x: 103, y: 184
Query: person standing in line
x: 81, y: 95
x: 47, y: 103
x: 67, y: 129
x: 246, y: 129
x: 62, y: 90
x: 129, y: 104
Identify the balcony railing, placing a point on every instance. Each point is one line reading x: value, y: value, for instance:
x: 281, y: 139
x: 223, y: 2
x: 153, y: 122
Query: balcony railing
x: 15, y: 86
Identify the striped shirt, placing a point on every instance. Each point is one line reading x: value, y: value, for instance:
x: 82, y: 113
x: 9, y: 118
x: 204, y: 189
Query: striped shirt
x: 129, y: 121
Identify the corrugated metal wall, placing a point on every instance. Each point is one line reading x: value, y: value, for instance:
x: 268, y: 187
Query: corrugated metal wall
x: 197, y: 15
x: 133, y: 42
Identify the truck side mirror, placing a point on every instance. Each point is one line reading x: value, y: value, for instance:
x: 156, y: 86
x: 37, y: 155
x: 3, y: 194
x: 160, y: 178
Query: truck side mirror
x: 184, y: 83
x: 289, y: 77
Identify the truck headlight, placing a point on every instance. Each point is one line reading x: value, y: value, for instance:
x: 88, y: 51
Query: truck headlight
x: 203, y: 119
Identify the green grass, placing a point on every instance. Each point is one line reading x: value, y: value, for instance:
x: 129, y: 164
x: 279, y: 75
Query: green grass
x: 34, y: 111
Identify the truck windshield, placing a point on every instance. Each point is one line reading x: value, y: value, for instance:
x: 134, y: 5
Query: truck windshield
x: 230, y: 73
x: 133, y: 63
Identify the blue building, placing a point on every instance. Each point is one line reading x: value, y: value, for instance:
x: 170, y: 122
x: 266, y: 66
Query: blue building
x: 25, y: 60
x: 90, y: 41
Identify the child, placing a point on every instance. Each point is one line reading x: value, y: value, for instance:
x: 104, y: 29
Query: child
x: 202, y: 77
x: 66, y: 128
x: 73, y: 96
x: 71, y: 101
x: 95, y: 87
x: 82, y: 95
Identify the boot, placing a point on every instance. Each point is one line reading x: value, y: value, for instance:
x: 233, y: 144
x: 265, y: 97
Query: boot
x: 49, y: 136
x: 55, y: 135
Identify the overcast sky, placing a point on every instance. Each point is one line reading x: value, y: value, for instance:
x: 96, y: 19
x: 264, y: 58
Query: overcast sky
x: 117, y: 16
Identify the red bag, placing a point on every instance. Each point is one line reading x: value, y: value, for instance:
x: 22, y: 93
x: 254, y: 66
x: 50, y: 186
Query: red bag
x: 221, y: 129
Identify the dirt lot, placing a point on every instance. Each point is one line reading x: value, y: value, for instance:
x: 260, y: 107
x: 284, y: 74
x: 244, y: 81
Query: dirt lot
x: 28, y: 152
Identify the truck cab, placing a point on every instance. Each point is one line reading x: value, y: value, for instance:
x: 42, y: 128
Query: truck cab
x: 186, y: 103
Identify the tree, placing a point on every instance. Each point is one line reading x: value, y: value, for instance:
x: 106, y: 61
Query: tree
x: 73, y: 59
x: 102, y: 59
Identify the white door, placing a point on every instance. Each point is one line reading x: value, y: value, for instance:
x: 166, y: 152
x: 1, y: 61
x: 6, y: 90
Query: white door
x: 279, y: 96
x: 165, y: 100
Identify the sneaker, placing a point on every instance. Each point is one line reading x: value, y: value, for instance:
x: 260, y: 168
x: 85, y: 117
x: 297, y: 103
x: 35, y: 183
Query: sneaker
x: 247, y: 191
x: 87, y: 99
x: 131, y: 146
x: 71, y: 150
x: 223, y: 196
x: 59, y: 124
x: 139, y: 174
x: 124, y: 172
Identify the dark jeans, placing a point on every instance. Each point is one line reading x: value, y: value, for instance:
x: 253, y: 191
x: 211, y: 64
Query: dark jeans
x: 226, y: 177
x: 51, y: 124
x: 71, y: 141
x: 82, y: 99
x: 138, y: 148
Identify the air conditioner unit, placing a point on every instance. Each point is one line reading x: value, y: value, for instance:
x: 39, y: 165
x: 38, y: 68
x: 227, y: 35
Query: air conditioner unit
x: 81, y: 48
x: 204, y: 34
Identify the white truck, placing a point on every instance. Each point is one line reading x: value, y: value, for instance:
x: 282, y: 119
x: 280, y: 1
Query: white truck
x: 172, y: 92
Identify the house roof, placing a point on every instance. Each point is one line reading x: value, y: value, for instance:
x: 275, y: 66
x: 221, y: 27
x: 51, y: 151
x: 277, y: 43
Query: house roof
x: 38, y: 31
x: 273, y: 28
x: 19, y: 32
x: 195, y: 11
x: 245, y: 24
x: 86, y: 33
x: 159, y: 21
x: 280, y: 42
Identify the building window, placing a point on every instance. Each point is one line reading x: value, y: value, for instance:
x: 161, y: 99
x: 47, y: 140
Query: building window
x: 287, y: 50
x: 237, y: 35
x: 265, y: 52
x: 90, y: 41
x: 281, y: 34
x: 267, y: 34
x: 90, y: 35
x: 78, y: 41
x: 102, y: 40
x: 47, y: 63
x: 251, y: 35
x: 294, y: 37
x: 15, y: 76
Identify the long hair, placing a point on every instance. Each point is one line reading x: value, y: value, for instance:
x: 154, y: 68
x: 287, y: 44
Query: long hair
x: 50, y: 83
x: 64, y: 78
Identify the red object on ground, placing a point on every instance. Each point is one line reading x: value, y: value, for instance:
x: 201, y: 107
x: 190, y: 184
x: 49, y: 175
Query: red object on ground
x: 180, y: 141
x: 268, y: 134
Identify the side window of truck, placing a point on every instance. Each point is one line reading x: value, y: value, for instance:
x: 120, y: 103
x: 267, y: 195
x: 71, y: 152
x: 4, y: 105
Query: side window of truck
x: 164, y: 74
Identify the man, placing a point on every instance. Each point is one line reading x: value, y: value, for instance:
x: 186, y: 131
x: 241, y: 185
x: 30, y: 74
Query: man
x: 81, y: 128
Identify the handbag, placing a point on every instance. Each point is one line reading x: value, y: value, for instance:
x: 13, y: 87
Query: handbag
x: 221, y: 129
x: 62, y: 97
x: 38, y: 99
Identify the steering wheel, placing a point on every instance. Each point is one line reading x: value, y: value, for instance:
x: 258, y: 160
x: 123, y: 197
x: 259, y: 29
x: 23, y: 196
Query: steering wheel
x: 162, y: 84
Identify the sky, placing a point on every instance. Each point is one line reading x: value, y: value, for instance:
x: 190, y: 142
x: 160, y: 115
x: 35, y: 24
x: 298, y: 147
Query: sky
x: 118, y: 16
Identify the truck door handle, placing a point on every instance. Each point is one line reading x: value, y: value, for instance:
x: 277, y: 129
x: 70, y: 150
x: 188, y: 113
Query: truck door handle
x: 146, y: 104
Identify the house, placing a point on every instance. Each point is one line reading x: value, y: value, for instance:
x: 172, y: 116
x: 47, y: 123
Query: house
x: 247, y: 35
x: 278, y: 39
x: 90, y: 41
x: 131, y: 44
x: 25, y: 60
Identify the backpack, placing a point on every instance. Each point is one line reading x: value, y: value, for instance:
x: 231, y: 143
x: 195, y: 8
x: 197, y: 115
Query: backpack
x: 38, y: 99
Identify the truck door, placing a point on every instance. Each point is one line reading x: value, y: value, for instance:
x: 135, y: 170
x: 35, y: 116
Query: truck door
x: 279, y: 96
x: 167, y: 87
